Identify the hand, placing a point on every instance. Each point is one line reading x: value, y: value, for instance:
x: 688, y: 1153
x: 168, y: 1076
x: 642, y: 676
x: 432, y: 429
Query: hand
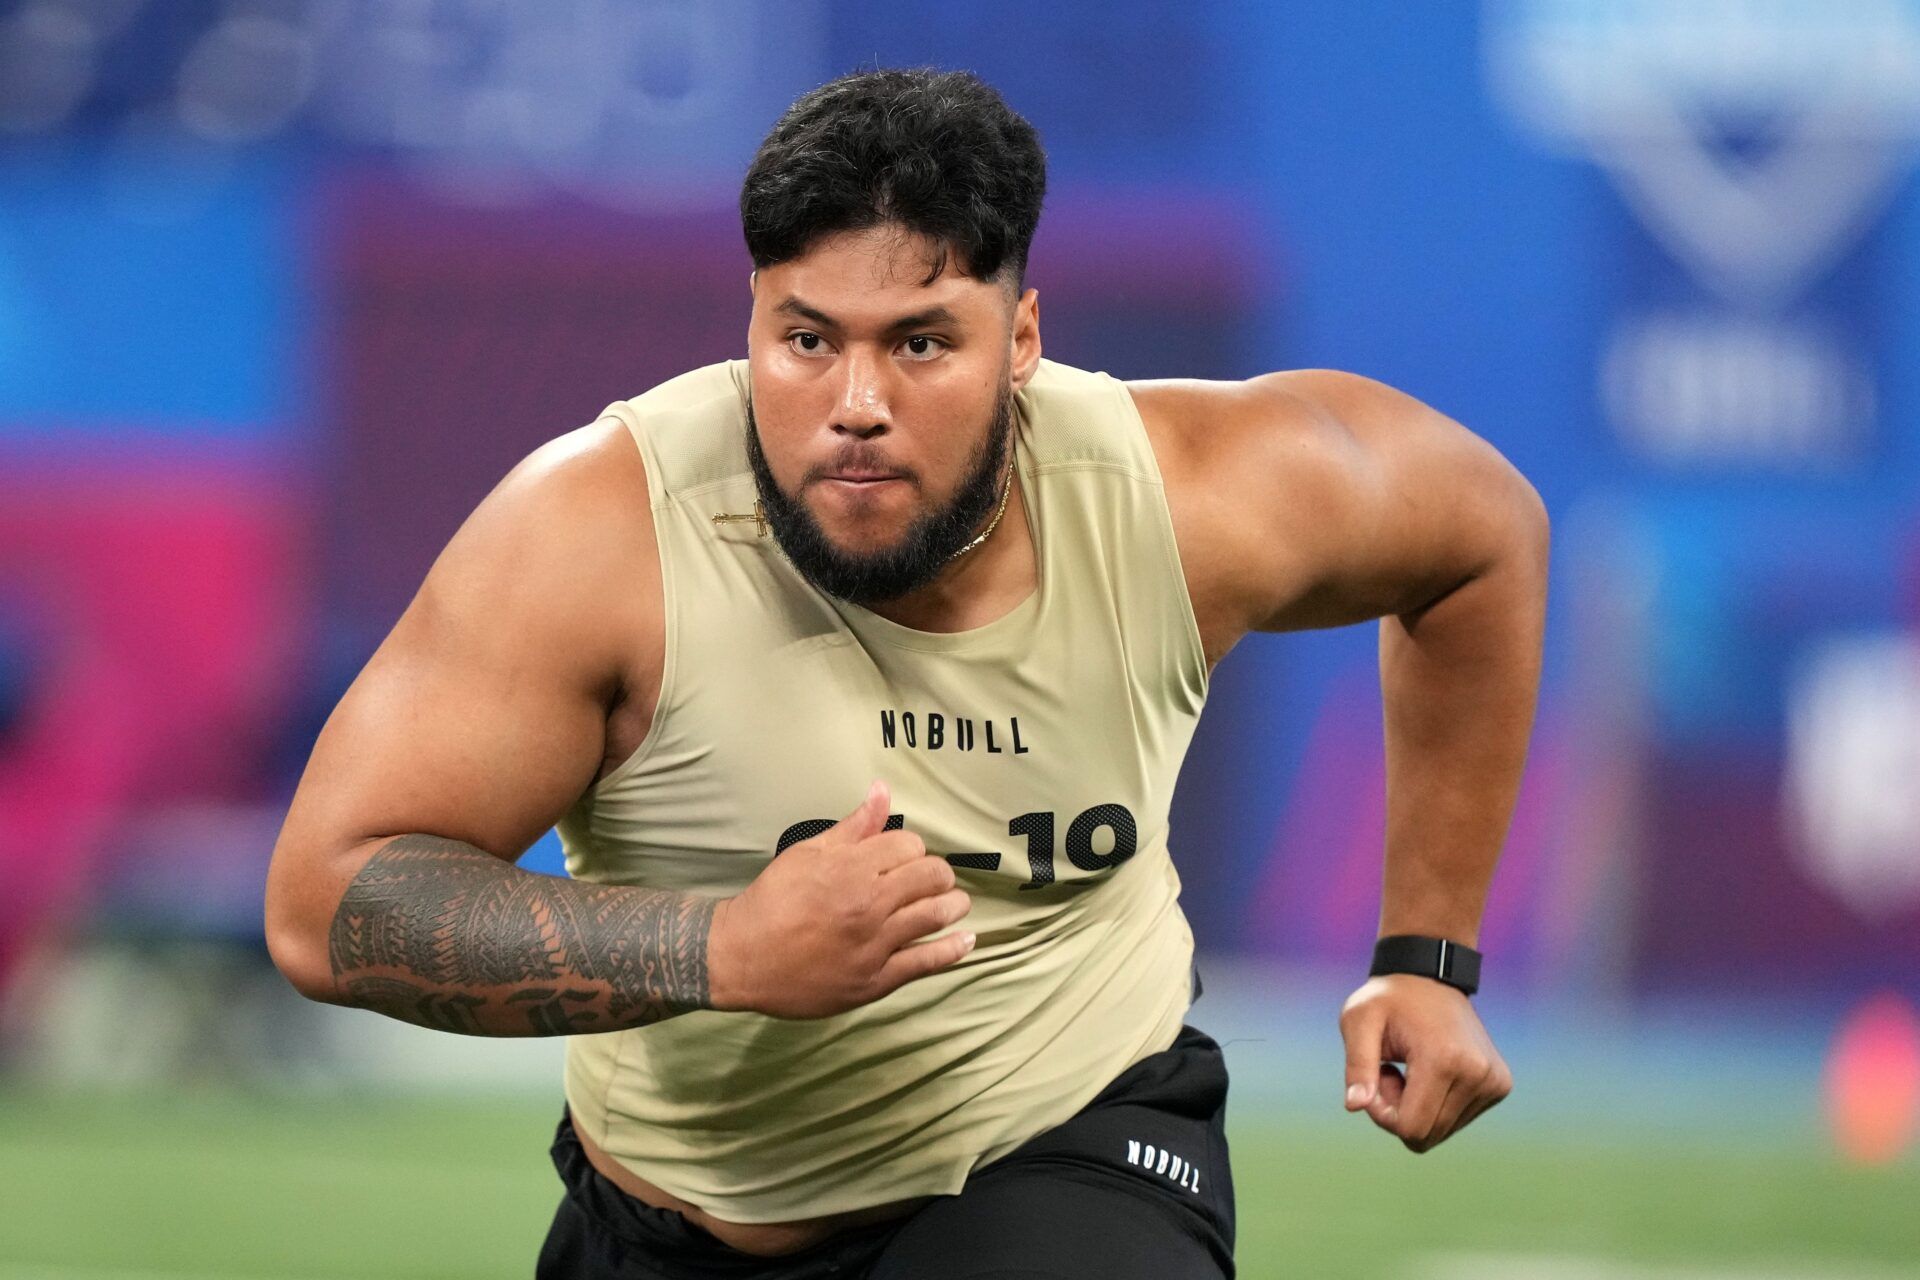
x: 831, y: 923
x: 1453, y: 1071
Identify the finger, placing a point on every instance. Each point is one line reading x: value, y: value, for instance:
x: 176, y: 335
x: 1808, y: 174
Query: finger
x: 1499, y: 1084
x: 1362, y: 1031
x: 867, y: 818
x: 1447, y: 1120
x: 923, y: 958
x: 890, y: 850
x: 1473, y: 1110
x: 924, y: 916
x: 1384, y: 1110
x: 1427, y: 1086
x: 919, y: 877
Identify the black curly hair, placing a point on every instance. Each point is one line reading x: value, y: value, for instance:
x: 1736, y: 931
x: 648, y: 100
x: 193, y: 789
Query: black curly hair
x: 938, y: 152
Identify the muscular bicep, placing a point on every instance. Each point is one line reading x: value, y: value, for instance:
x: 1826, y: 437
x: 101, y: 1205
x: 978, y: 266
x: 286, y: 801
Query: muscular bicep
x: 1395, y: 504
x: 482, y: 716
x: 466, y: 723
x: 1313, y: 498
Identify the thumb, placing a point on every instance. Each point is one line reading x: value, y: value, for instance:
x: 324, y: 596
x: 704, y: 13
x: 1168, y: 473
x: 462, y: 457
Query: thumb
x: 1363, y: 1059
x: 867, y: 819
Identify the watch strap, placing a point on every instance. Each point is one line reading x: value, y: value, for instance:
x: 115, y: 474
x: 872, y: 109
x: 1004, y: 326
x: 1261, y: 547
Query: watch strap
x: 1453, y: 963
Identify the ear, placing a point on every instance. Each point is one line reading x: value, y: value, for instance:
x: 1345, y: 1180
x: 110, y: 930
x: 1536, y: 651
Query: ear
x: 752, y: 277
x: 1026, y: 337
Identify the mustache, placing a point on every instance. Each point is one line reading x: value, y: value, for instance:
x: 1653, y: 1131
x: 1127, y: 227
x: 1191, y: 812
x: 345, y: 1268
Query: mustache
x: 859, y: 457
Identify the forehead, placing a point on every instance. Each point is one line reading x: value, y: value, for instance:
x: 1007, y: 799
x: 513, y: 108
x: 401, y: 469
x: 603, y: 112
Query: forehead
x: 872, y: 276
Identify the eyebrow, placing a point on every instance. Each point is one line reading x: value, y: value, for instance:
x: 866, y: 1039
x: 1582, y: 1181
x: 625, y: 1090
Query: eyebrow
x: 932, y: 315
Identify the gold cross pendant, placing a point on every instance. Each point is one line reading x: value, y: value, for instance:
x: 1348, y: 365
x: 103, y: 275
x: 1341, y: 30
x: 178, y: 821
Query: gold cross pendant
x: 757, y: 515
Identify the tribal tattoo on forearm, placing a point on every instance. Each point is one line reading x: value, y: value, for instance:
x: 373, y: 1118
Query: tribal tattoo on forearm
x: 443, y: 934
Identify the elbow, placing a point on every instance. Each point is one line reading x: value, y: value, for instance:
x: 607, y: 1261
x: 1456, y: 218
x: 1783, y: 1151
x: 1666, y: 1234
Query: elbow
x: 1536, y: 528
x: 1528, y: 548
x: 298, y: 948
x: 1533, y: 507
x: 1526, y: 532
x: 302, y: 962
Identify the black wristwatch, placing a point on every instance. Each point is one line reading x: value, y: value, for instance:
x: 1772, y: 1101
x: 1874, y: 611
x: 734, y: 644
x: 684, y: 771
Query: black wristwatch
x: 1450, y: 962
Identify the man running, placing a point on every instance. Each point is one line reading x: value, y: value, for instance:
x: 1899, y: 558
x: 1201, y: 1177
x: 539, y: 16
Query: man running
x: 856, y: 675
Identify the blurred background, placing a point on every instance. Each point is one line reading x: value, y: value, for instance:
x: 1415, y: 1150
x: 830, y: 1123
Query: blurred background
x: 287, y: 285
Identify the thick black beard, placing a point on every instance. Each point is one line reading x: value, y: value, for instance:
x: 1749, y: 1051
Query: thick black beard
x: 929, y: 542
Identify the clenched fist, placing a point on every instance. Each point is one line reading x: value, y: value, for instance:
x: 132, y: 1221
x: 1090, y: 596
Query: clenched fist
x: 1453, y: 1071
x: 834, y: 922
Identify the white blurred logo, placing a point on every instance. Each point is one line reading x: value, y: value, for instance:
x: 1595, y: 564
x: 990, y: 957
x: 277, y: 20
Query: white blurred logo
x: 1756, y: 141
x: 645, y: 104
x: 1853, y: 770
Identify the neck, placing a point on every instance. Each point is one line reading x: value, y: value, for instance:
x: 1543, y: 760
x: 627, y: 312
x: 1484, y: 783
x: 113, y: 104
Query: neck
x: 980, y: 586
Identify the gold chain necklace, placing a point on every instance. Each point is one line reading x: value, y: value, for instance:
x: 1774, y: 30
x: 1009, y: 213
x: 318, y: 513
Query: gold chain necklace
x: 1004, y: 494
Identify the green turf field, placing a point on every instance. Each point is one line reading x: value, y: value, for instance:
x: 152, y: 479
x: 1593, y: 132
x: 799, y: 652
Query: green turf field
x: 122, y: 1188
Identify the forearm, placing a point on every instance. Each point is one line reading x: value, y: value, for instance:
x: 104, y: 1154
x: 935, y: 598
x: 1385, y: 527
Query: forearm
x: 1459, y: 681
x: 440, y: 933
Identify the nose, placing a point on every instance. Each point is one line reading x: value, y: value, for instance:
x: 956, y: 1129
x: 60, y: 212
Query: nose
x: 862, y: 409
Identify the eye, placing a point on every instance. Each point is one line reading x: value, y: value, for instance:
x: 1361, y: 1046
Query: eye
x: 811, y: 342
x: 935, y: 345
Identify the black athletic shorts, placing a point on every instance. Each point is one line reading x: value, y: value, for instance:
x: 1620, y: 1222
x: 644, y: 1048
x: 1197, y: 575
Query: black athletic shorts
x: 1134, y: 1185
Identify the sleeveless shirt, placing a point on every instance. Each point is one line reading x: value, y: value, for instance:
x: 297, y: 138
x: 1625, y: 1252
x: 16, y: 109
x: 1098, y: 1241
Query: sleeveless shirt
x: 1037, y: 752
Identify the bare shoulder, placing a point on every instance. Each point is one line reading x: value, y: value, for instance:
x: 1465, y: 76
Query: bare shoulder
x: 564, y: 526
x: 562, y: 553
x: 1232, y: 455
x: 587, y: 486
x: 1286, y: 488
x: 1202, y: 429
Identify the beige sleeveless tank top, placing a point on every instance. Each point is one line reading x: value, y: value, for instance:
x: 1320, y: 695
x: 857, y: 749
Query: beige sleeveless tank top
x: 1038, y: 752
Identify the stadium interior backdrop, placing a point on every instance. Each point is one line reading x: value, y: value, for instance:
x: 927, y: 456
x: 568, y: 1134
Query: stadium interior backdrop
x: 286, y: 285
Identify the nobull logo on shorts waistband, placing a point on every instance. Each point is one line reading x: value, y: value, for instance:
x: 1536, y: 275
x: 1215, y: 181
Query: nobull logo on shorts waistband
x: 1159, y: 1160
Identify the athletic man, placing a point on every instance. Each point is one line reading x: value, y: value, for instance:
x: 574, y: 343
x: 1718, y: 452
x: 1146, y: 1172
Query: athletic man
x: 856, y: 675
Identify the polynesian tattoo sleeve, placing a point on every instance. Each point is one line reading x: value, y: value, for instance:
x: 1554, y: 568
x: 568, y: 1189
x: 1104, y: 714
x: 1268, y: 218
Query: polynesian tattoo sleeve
x: 443, y: 934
